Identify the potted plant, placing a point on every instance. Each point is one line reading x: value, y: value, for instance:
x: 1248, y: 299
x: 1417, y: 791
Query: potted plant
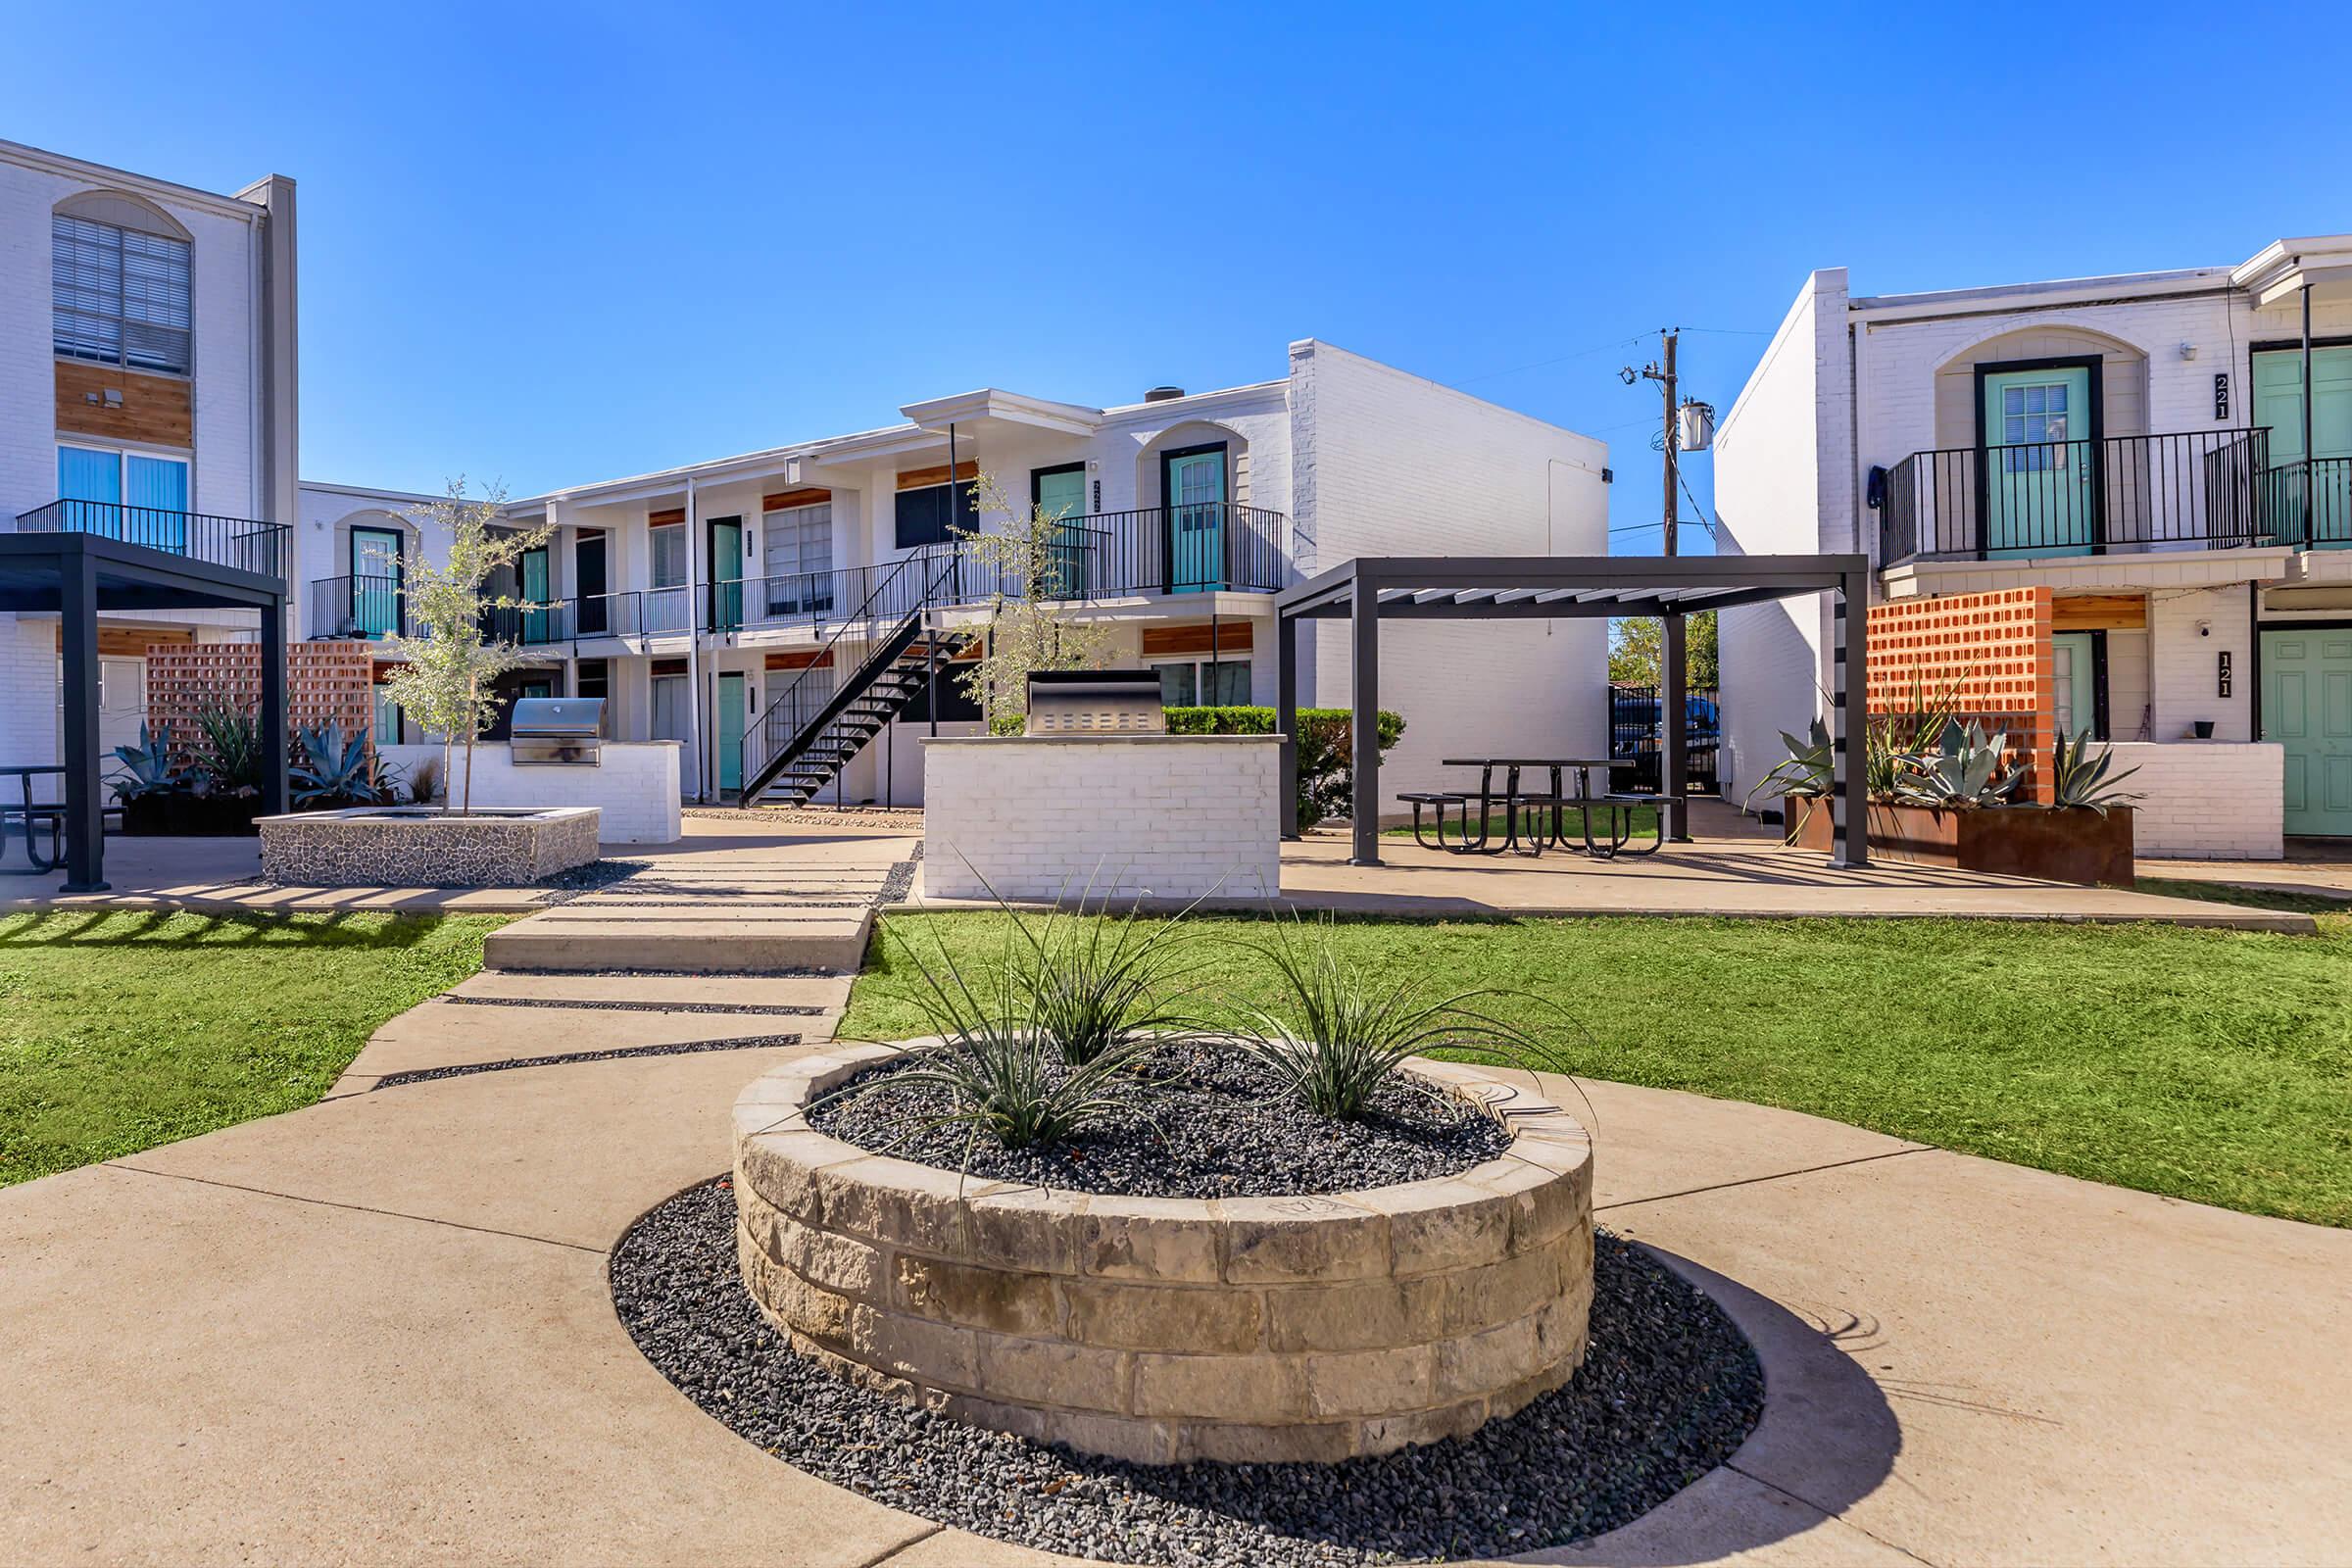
x: 334, y: 772
x: 150, y: 785
x: 1955, y: 806
x: 227, y: 792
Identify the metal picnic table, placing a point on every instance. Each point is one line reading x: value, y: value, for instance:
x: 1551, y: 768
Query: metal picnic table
x: 29, y: 813
x: 1512, y: 794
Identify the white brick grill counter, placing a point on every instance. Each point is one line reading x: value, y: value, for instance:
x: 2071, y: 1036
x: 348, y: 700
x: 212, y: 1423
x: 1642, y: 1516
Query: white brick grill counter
x: 1041, y: 816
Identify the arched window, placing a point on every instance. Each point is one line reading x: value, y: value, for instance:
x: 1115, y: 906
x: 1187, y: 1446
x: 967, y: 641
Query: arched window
x: 119, y: 286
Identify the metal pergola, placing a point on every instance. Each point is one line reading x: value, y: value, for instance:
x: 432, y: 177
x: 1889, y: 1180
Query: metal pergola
x: 1371, y: 589
x: 76, y: 575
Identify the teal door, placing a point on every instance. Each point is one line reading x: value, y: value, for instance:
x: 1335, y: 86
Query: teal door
x: 538, y: 622
x: 374, y: 581
x: 2279, y: 404
x: 2307, y: 708
x: 1059, y: 494
x: 2075, y: 661
x: 2040, y: 463
x: 734, y: 716
x: 726, y: 573
x: 1194, y: 482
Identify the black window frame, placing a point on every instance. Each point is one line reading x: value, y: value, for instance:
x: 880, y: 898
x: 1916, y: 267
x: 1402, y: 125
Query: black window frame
x: 965, y: 511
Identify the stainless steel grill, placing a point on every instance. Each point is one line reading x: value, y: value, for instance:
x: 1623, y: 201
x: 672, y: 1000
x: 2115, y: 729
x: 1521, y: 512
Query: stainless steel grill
x: 556, y: 732
x: 1096, y: 701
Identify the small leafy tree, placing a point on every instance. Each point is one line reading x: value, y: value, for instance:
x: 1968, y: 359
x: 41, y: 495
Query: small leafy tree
x: 1637, y: 650
x: 1034, y: 566
x: 445, y: 683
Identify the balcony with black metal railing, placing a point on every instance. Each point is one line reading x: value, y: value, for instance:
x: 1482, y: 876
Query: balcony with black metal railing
x: 2131, y: 493
x: 238, y: 543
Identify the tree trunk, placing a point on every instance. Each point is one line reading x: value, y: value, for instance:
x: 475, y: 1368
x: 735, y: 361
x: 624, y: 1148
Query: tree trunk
x: 473, y: 697
x: 447, y: 741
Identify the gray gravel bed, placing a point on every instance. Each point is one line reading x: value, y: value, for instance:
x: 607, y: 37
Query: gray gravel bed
x: 1203, y: 1121
x: 1668, y: 1390
x: 687, y: 1047
x: 900, y: 880
x: 594, y: 877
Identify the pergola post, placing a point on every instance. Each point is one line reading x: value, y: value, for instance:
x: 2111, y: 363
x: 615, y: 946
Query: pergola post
x: 273, y: 711
x: 1286, y: 716
x: 1363, y: 610
x: 1674, y: 744
x: 1849, y: 695
x: 86, y: 823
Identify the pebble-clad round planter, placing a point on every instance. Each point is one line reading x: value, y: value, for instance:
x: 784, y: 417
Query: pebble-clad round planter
x: 1164, y: 1330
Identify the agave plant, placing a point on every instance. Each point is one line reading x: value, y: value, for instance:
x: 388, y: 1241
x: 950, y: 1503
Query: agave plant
x: 2081, y: 779
x: 1810, y: 768
x: 147, y: 767
x: 1344, y: 1030
x: 333, y: 771
x: 1893, y: 743
x: 1968, y: 768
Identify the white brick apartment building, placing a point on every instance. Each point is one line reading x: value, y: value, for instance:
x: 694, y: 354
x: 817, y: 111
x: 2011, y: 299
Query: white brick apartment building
x: 147, y: 382
x: 2144, y: 446
x: 694, y: 600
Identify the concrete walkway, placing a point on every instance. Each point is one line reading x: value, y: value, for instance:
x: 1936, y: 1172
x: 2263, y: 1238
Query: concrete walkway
x: 379, y: 1331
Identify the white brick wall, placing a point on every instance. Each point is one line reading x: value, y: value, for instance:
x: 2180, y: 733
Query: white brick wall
x: 2207, y: 799
x: 2188, y: 633
x: 1175, y: 816
x: 636, y: 787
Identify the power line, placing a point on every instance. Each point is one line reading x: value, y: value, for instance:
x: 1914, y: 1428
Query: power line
x: 1579, y: 354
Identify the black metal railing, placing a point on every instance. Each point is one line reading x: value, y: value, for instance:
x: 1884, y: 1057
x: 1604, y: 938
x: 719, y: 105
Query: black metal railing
x: 2208, y: 489
x: 237, y: 542
x: 1198, y: 548
x: 1637, y: 728
x: 357, y: 607
x: 2311, y: 503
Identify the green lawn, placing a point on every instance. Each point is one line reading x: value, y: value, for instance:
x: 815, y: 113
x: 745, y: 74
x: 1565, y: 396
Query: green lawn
x: 119, y: 1031
x: 2212, y: 1065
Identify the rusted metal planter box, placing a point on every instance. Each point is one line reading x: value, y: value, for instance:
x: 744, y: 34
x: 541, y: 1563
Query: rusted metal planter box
x: 2070, y: 845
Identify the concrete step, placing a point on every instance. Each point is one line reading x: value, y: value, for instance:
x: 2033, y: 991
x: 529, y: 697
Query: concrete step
x: 654, y: 990
x: 732, y: 941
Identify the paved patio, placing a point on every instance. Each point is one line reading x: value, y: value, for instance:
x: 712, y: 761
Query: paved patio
x: 379, y: 1331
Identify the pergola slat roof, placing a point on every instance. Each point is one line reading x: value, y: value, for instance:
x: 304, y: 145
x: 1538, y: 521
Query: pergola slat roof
x: 1371, y: 589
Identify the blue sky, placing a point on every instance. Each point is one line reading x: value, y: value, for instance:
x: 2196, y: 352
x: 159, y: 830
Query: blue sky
x: 558, y: 244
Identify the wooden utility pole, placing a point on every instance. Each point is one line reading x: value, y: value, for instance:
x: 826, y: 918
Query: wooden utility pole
x: 1674, y: 678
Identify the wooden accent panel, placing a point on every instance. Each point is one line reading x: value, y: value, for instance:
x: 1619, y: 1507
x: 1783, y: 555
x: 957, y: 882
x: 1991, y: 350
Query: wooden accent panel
x: 1160, y: 642
x: 805, y: 496
x: 132, y: 641
x: 802, y: 658
x: 669, y: 666
x: 919, y: 478
x: 2099, y: 612
x: 654, y: 520
x: 157, y: 410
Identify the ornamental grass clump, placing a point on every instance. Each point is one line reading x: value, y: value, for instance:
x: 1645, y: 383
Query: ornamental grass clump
x: 1343, y: 1031
x: 999, y: 1073
x: 1095, y: 983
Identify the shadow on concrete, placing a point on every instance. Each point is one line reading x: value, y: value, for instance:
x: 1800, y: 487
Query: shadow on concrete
x: 1827, y: 1440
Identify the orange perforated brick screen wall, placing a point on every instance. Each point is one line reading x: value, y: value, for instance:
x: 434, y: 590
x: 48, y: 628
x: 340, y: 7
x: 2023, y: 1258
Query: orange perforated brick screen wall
x: 324, y: 680
x: 1992, y: 651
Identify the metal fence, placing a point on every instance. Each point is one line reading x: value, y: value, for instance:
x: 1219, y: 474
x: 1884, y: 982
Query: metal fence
x: 1637, y: 728
x: 237, y: 542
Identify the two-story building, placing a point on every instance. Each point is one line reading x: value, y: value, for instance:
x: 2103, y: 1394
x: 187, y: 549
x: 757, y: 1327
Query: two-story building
x: 733, y: 605
x: 147, y: 393
x: 2169, y: 453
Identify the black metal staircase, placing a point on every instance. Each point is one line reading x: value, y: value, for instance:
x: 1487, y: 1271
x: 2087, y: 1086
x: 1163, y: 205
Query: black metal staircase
x: 863, y: 677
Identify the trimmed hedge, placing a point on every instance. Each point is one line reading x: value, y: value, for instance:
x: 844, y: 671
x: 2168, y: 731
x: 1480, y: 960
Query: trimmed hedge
x: 1325, y: 742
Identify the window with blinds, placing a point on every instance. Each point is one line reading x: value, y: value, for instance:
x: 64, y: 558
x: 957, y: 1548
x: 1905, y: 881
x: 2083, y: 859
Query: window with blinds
x: 670, y: 556
x: 119, y: 297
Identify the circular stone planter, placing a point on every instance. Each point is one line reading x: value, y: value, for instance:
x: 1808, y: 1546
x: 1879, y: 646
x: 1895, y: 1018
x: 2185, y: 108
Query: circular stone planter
x: 1163, y: 1330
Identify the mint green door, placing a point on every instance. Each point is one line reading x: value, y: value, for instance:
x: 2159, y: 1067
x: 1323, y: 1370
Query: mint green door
x: 1194, y: 482
x: 538, y: 624
x: 2040, y: 463
x: 726, y: 573
x: 734, y: 713
x: 2279, y: 404
x: 2075, y: 676
x: 2307, y: 708
x: 1059, y: 494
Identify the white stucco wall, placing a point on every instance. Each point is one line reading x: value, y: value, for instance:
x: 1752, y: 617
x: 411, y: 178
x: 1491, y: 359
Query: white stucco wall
x: 636, y: 786
x: 1781, y: 488
x: 2207, y: 799
x: 1388, y: 463
x: 1174, y: 816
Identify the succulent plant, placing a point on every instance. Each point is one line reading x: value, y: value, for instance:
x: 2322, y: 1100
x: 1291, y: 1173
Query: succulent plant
x: 1968, y: 768
x: 147, y: 767
x: 2081, y: 779
x: 1810, y: 768
x: 333, y: 771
